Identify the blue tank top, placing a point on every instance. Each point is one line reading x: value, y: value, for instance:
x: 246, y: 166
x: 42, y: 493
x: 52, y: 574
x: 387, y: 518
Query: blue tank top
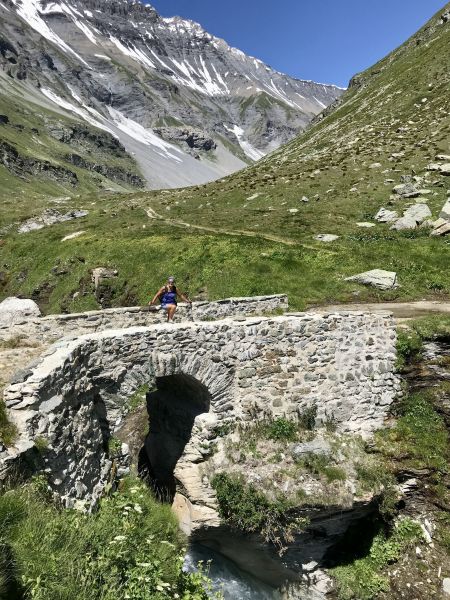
x: 169, y: 297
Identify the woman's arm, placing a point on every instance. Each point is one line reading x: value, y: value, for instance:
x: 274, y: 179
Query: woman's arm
x: 184, y: 297
x: 156, y: 296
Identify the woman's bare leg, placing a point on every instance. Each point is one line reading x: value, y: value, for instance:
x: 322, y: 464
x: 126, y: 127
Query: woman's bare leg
x: 171, y: 308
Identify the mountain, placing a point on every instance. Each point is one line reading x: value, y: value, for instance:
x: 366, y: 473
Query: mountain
x: 255, y: 231
x: 171, y: 103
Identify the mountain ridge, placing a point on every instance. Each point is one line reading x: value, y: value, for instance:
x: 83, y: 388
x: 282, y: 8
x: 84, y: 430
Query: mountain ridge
x: 120, y: 67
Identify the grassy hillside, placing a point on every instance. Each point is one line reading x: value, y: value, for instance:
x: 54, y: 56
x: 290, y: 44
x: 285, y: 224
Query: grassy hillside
x: 36, y: 157
x: 252, y: 232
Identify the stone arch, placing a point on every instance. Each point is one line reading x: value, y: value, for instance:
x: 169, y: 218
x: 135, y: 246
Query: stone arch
x: 191, y: 393
x: 172, y: 408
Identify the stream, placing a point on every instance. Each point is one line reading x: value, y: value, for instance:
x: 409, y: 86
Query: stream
x: 227, y: 577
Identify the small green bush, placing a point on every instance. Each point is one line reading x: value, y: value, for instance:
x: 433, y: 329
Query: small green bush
x: 41, y: 444
x: 307, y: 418
x: 319, y: 464
x: 248, y: 509
x: 139, y: 398
x: 282, y: 429
x: 114, y: 447
x: 409, y: 345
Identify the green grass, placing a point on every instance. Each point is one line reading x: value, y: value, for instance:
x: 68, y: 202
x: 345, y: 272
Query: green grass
x: 129, y: 548
x: 320, y: 464
x: 410, y: 339
x: 419, y: 435
x: 139, y: 398
x: 282, y: 429
x: 365, y: 578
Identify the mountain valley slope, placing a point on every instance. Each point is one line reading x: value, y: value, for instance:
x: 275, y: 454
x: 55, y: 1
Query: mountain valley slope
x: 254, y: 232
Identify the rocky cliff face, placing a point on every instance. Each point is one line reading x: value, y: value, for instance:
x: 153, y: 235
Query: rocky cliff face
x: 120, y: 67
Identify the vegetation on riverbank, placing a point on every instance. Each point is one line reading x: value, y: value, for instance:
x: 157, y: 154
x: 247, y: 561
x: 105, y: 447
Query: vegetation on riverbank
x: 364, y: 578
x: 417, y: 445
x: 130, y: 548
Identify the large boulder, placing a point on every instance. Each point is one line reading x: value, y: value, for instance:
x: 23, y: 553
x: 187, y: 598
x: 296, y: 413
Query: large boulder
x: 383, y: 280
x: 412, y: 217
x: 50, y: 216
x: 15, y: 310
x: 406, y: 190
x: 386, y: 216
x: 441, y: 227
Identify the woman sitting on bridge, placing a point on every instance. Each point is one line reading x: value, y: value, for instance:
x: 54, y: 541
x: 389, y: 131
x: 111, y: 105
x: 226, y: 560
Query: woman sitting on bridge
x: 168, y: 298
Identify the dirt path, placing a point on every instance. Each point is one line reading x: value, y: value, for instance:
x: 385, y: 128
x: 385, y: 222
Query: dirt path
x: 400, y: 310
x: 244, y: 232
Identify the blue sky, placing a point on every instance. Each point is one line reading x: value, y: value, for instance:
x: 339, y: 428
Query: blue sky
x: 324, y: 40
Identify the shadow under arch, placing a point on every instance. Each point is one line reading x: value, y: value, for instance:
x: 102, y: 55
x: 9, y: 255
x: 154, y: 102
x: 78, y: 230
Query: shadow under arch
x: 172, y: 409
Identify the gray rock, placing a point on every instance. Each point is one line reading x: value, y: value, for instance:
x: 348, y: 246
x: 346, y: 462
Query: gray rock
x: 445, y: 212
x: 326, y: 237
x: 317, y: 446
x: 406, y: 190
x: 14, y: 310
x: 412, y: 217
x: 445, y: 169
x: 383, y: 280
x: 441, y: 227
x: 50, y: 216
x: 365, y: 224
x: 433, y: 167
x: 102, y: 273
x: 386, y: 216
x: 446, y: 580
x: 443, y: 157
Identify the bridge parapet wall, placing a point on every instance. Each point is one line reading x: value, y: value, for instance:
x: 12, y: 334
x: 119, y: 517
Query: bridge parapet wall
x: 54, y: 327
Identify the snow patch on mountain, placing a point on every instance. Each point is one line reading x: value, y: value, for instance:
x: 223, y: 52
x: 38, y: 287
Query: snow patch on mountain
x: 29, y: 10
x: 249, y: 150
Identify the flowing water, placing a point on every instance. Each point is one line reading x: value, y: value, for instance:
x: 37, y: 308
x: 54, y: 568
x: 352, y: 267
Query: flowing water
x: 227, y: 578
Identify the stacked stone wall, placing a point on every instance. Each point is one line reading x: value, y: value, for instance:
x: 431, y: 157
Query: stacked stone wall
x: 76, y: 395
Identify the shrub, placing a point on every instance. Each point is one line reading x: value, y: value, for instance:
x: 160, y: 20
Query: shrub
x: 248, y: 509
x: 139, y: 398
x: 130, y: 548
x: 409, y: 345
x: 282, y: 429
x: 307, y: 418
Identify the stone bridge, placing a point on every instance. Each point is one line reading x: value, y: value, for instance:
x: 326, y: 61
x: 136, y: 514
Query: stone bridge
x: 203, y: 375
